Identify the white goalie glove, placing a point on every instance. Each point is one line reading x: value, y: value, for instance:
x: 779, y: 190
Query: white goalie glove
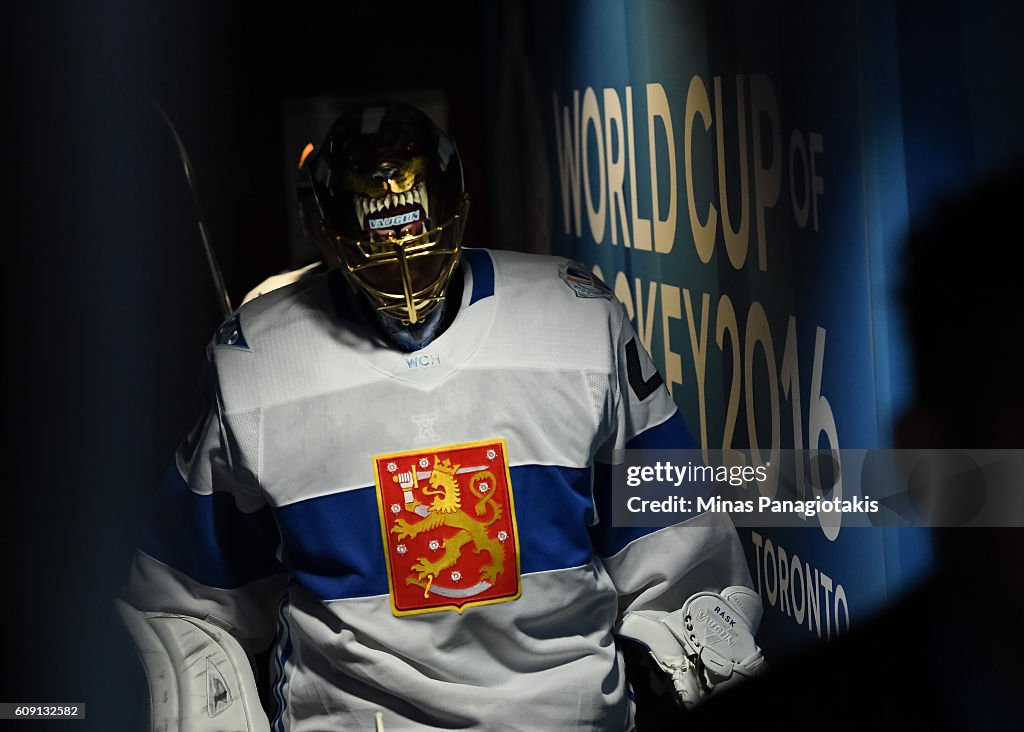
x: 199, y: 677
x: 704, y: 646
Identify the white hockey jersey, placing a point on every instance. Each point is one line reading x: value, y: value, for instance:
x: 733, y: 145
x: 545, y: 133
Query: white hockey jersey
x: 428, y: 535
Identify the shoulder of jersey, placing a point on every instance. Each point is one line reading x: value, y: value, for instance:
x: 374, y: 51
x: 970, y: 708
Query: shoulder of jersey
x: 253, y: 321
x: 550, y: 281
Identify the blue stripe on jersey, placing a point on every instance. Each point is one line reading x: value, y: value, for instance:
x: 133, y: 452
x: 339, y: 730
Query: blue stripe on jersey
x: 483, y: 273
x: 553, y: 511
x: 672, y: 434
x: 333, y: 544
x: 208, y: 538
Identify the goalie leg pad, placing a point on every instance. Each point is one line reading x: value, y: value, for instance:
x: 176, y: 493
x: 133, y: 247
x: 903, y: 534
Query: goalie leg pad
x: 200, y: 679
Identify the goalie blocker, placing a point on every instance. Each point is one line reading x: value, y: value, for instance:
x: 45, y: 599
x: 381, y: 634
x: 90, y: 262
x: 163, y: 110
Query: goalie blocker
x: 704, y: 646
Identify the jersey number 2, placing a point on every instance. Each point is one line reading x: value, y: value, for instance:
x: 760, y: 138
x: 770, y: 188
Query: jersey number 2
x: 642, y: 388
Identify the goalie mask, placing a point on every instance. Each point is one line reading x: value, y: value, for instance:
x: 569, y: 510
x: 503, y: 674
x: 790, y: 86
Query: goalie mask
x: 387, y: 184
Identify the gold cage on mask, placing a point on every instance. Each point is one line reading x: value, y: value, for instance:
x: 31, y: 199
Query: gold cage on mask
x: 364, y: 259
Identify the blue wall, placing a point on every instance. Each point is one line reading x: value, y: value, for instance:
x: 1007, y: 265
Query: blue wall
x: 793, y: 145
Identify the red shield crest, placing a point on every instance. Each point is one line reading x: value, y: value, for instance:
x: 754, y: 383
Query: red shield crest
x: 448, y: 523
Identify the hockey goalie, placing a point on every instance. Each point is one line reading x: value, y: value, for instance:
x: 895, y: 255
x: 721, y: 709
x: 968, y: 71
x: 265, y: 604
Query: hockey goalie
x: 402, y: 483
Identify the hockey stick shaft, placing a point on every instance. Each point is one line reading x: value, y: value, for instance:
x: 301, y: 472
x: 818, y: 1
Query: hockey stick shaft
x: 211, y: 257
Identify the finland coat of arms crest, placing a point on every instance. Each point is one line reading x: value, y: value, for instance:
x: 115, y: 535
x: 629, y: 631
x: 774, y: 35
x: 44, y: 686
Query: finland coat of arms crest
x: 448, y: 524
